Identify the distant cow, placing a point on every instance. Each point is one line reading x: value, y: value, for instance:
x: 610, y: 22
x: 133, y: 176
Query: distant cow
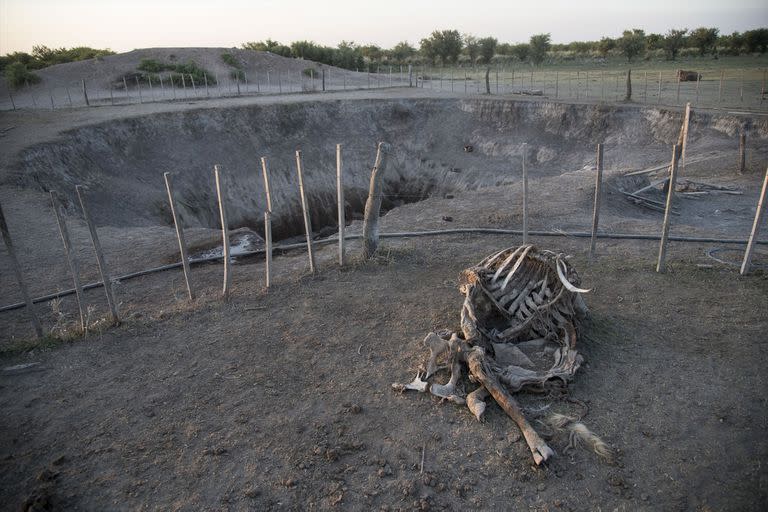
x: 687, y: 76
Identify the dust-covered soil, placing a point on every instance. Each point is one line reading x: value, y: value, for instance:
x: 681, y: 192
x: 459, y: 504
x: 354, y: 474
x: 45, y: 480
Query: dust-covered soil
x: 282, y: 399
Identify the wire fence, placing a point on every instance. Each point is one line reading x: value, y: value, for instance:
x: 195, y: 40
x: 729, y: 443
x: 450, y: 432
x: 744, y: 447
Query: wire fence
x: 744, y: 89
x: 182, y: 87
x: 726, y: 88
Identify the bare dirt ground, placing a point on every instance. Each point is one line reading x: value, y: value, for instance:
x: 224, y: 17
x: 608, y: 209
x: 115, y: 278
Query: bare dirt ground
x: 282, y: 400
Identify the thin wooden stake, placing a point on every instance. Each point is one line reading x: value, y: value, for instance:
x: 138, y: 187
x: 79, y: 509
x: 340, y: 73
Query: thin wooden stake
x: 525, y: 197
x: 103, y: 271
x: 340, y: 202
x: 658, y: 97
x: 755, y: 228
x: 224, y: 230
x: 661, y: 265
x: 598, y: 197
x: 265, y: 177
x: 305, y: 211
x: 85, y: 95
x: 268, y: 243
x: 686, y: 124
x: 19, y: 276
x: 71, y: 260
x: 179, y: 235
x: 720, y: 88
x: 742, y: 152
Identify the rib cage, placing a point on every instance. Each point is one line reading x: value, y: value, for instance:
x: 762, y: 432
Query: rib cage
x: 525, y: 299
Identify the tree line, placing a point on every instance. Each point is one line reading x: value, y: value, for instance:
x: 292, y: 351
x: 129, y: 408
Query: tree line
x: 450, y: 47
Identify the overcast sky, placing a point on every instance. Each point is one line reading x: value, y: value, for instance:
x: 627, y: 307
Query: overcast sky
x: 130, y: 24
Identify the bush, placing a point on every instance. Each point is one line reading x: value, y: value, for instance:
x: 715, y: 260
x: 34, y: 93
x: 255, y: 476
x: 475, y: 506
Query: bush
x: 17, y: 74
x: 152, y: 67
x: 230, y: 60
x: 237, y: 74
x: 309, y: 72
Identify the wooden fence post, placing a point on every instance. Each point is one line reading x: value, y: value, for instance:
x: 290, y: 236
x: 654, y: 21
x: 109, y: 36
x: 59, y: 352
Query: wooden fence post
x: 661, y: 265
x: 305, y: 211
x: 71, y: 259
x: 658, y: 97
x: 525, y: 197
x: 179, y: 236
x: 267, y: 189
x: 598, y: 198
x: 373, y: 203
x: 268, y: 247
x: 103, y: 271
x: 220, y: 189
x: 742, y: 152
x: 755, y: 228
x: 340, y: 201
x: 683, y: 138
x: 19, y: 276
x: 720, y: 88
x: 85, y: 95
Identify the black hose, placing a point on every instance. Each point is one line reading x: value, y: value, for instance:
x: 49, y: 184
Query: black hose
x: 409, y: 234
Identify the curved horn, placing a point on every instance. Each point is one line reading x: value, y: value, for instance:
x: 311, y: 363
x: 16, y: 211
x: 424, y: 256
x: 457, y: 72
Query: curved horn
x: 564, y: 280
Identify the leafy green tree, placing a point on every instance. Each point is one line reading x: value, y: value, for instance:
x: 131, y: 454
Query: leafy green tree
x: 674, y: 40
x: 704, y: 39
x: 268, y: 46
x: 605, y: 45
x: 756, y: 40
x: 521, y: 51
x: 445, y: 44
x: 539, y: 46
x: 580, y: 47
x: 372, y: 53
x: 348, y: 56
x: 654, y: 42
x: 632, y: 43
x: 17, y: 74
x: 487, y: 48
x: 402, y: 52
x: 472, y: 47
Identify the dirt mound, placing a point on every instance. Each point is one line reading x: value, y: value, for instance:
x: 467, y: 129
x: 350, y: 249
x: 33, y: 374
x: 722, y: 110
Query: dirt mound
x: 100, y: 73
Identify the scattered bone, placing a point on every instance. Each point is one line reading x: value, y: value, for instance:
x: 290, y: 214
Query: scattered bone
x: 437, y: 346
x: 476, y: 402
x: 578, y: 434
x: 416, y: 384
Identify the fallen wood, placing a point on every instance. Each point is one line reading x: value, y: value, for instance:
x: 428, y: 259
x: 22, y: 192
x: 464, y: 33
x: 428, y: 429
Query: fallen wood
x: 653, y: 184
x: 666, y: 165
x: 640, y: 198
x: 529, y: 92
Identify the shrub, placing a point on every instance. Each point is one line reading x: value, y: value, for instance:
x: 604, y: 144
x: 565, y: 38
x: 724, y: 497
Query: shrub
x: 152, y: 66
x: 230, y: 60
x: 237, y: 74
x: 17, y: 74
x: 309, y: 72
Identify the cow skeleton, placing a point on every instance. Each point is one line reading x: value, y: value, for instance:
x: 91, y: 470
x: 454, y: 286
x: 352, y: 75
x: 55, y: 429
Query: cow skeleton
x: 519, y: 321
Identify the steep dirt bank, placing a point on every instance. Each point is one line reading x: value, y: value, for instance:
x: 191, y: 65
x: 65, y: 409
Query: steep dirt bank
x: 122, y: 161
